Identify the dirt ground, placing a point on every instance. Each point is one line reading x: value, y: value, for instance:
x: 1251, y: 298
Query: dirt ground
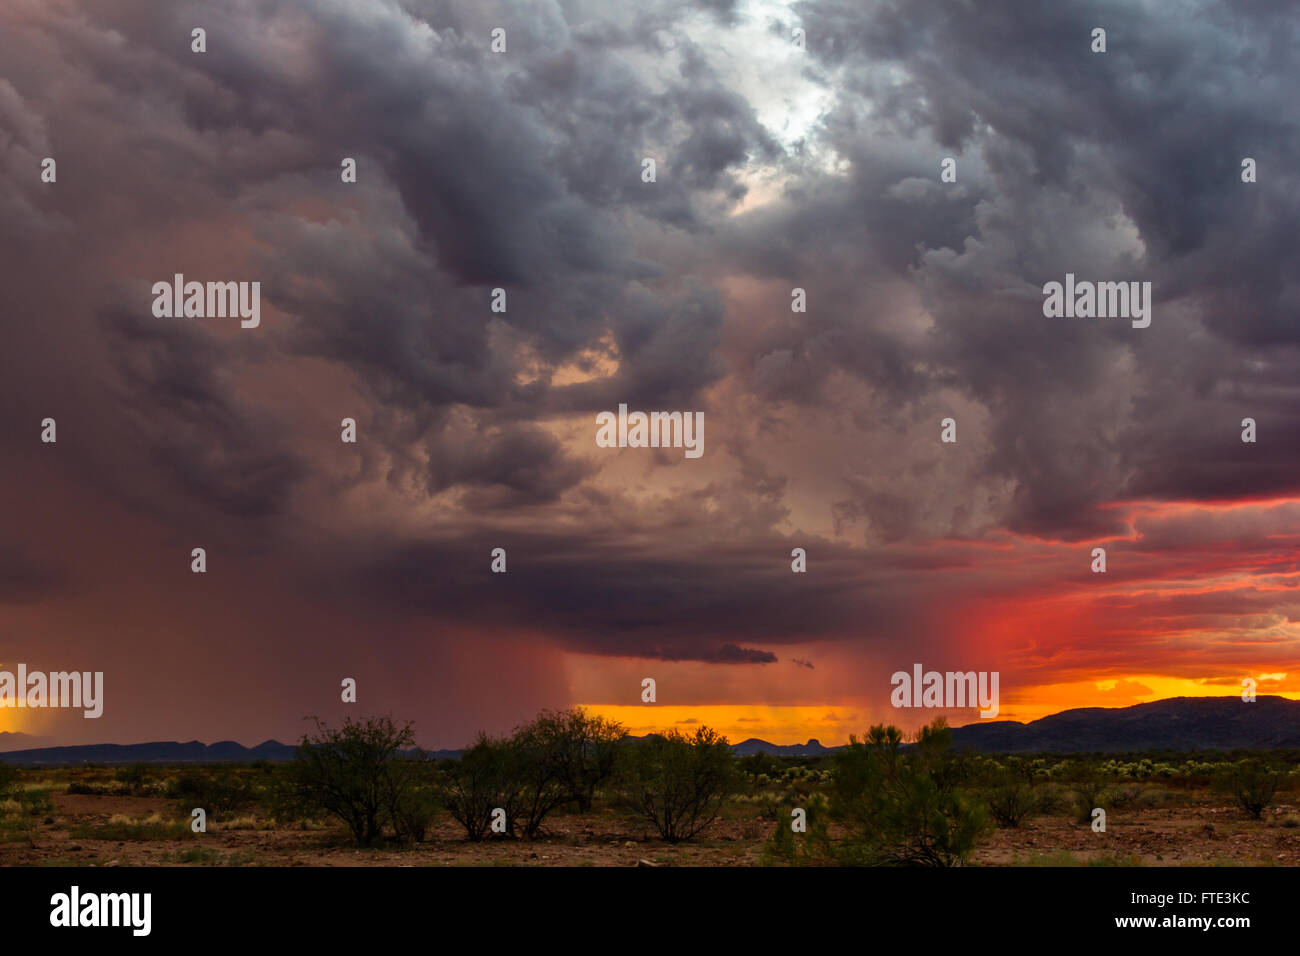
x: 1198, y: 834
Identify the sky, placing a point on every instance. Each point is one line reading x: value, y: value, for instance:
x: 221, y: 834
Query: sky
x: 775, y: 169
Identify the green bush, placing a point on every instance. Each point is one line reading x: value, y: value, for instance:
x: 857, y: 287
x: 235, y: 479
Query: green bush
x: 560, y: 758
x: 36, y: 802
x: 486, y: 777
x: 811, y: 848
x: 359, y: 774
x: 412, y: 799
x: 761, y: 766
x: 1251, y: 783
x: 1089, y: 791
x: 1011, y: 793
x: 134, y: 779
x: 534, y: 759
x: 678, y: 782
x: 904, y: 807
x: 222, y: 792
x: 574, y: 749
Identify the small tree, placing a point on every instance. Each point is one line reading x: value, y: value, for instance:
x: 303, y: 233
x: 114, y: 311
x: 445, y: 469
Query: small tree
x: 1011, y: 793
x: 1251, y: 784
x: 558, y: 758
x: 534, y: 760
x: 904, y: 808
x: 412, y: 799
x: 581, y: 748
x: 485, y: 778
x: 357, y: 773
x: 677, y: 782
x: 1088, y: 785
x: 813, y: 847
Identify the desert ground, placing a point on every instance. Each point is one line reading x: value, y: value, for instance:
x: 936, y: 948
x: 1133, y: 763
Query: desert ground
x: 1154, y: 824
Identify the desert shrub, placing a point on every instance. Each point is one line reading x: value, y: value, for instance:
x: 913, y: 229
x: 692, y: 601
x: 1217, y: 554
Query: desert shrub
x: 280, y: 796
x: 87, y: 789
x: 571, y: 748
x: 1011, y: 793
x: 678, y: 782
x: 1251, y: 784
x: 135, y: 779
x: 561, y: 757
x: 904, y: 807
x: 220, y: 792
x: 35, y: 802
x: 1088, y: 790
x: 412, y: 798
x: 761, y: 767
x: 1127, y: 795
x: 9, y: 777
x: 485, y: 778
x: 769, y: 808
x: 811, y: 848
x: 1051, y: 795
x: 535, y: 756
x: 359, y: 774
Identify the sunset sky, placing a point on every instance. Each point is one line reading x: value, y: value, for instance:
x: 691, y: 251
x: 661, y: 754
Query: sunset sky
x: 776, y: 169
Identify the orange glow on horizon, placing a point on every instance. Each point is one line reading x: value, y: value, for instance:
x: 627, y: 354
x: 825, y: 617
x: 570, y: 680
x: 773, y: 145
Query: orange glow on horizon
x: 831, y: 724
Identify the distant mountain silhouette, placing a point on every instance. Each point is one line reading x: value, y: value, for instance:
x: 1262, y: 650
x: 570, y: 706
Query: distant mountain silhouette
x: 165, y: 752
x: 753, y: 745
x: 1178, y: 723
x: 225, y: 751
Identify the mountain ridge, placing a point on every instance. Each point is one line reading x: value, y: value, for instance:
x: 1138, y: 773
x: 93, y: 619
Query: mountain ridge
x: 1172, y: 724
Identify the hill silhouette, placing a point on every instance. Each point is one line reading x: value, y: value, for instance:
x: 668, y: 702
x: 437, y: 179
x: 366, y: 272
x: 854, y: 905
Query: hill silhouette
x: 1177, y: 724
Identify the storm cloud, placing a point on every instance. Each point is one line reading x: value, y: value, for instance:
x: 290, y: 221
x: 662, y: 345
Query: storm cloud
x: 776, y: 169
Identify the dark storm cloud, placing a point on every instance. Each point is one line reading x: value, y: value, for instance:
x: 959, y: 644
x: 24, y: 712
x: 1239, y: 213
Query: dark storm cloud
x: 512, y: 172
x: 1054, y: 142
x: 478, y: 170
x: 601, y: 597
x: 191, y: 426
x: 514, y: 465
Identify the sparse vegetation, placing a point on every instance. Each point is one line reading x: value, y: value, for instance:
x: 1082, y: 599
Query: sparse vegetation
x: 1251, y: 784
x: 482, y: 780
x: 221, y: 792
x: 904, y: 808
x: 670, y: 800
x: 1012, y: 793
x: 581, y: 748
x: 136, y: 779
x: 1089, y: 790
x: 678, y: 782
x: 359, y: 774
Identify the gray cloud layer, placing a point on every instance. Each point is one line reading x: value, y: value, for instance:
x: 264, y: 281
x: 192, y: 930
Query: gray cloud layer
x: 522, y: 170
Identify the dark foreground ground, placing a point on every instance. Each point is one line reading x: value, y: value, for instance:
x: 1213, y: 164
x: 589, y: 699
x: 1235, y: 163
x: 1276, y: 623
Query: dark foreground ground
x: 1158, y: 825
